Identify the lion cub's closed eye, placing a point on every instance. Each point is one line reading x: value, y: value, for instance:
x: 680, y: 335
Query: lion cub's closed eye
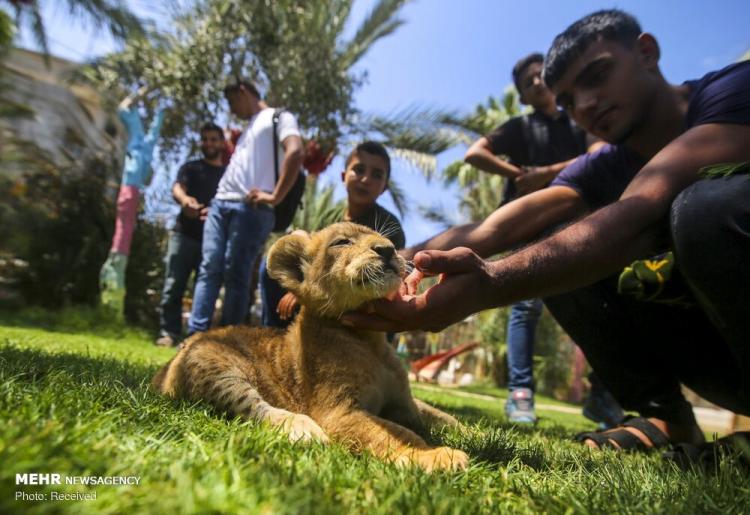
x: 318, y: 380
x: 337, y: 270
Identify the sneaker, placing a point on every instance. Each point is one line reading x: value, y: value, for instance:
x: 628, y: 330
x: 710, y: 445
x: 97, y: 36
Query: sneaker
x: 603, y: 408
x: 165, y: 341
x: 519, y: 407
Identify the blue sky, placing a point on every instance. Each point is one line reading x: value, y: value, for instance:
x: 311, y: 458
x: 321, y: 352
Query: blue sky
x: 454, y: 54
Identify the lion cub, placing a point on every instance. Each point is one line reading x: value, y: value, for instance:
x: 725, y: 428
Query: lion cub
x: 318, y: 379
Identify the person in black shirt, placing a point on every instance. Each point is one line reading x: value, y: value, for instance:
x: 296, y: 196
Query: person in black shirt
x: 529, y: 151
x: 193, y: 190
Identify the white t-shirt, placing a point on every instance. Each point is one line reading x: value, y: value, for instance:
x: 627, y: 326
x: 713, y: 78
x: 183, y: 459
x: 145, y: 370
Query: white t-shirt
x: 251, y: 165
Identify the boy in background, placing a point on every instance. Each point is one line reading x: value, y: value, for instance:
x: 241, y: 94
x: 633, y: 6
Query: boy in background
x: 365, y: 176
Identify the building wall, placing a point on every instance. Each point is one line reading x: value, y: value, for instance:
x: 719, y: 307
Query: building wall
x: 67, y: 121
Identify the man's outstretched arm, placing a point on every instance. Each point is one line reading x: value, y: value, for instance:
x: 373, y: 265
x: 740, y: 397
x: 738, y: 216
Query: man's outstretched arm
x: 511, y: 224
x: 631, y: 228
x: 580, y: 254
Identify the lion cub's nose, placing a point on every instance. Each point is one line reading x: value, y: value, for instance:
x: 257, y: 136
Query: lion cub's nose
x: 384, y: 251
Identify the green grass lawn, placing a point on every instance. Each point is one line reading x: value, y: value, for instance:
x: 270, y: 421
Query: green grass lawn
x: 74, y: 400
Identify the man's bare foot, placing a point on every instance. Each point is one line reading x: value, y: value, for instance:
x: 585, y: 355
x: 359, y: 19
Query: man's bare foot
x: 643, y: 434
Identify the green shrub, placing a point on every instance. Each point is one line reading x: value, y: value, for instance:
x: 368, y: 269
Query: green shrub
x: 57, y: 227
x: 58, y: 222
x: 144, y: 276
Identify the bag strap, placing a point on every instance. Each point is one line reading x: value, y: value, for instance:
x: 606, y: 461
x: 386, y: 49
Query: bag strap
x: 276, y: 115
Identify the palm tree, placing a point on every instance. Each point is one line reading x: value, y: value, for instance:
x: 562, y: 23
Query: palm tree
x: 482, y: 192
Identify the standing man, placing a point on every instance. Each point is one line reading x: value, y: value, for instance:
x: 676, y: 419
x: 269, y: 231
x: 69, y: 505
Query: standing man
x: 534, y: 149
x: 241, y: 215
x: 193, y: 190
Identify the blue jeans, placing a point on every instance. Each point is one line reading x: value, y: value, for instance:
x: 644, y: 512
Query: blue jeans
x: 270, y: 294
x: 233, y: 235
x: 524, y: 317
x: 183, y: 258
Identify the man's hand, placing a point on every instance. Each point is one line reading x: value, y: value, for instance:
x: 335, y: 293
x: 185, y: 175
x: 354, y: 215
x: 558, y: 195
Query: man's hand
x: 286, y: 306
x: 533, y: 178
x: 256, y: 196
x: 465, y: 287
x: 193, y: 209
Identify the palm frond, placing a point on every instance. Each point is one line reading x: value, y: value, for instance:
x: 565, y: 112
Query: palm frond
x: 318, y: 209
x: 419, y: 128
x: 417, y: 134
x: 338, y: 14
x: 380, y: 22
x: 114, y: 14
x: 461, y: 173
x: 37, y: 28
x: 7, y: 30
x: 438, y: 215
x: 422, y: 161
x: 398, y: 195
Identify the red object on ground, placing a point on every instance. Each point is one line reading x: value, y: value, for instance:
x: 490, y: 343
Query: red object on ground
x: 316, y: 160
x: 439, y: 360
x: 127, y: 210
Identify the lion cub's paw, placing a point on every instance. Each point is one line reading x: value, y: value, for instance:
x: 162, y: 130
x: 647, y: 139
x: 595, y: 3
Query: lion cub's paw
x: 440, y: 458
x: 299, y: 427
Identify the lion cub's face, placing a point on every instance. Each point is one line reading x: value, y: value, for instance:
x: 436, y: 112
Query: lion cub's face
x: 336, y: 269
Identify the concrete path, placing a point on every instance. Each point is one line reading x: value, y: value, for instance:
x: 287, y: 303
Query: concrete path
x: 710, y: 420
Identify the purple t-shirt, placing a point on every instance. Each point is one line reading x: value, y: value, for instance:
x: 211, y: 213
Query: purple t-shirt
x: 719, y: 97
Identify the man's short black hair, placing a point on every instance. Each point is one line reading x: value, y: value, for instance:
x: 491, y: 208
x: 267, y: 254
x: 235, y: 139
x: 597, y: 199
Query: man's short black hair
x: 374, y: 148
x: 521, y: 66
x: 241, y: 82
x: 211, y: 126
x: 611, y: 24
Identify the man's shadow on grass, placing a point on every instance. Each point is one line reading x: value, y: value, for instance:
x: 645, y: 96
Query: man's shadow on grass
x: 34, y: 366
x: 96, y: 322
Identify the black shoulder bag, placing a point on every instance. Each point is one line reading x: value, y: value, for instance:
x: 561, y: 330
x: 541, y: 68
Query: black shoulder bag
x: 286, y: 209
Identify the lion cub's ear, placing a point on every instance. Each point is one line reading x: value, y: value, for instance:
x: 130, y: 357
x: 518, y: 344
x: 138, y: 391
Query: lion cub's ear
x: 285, y: 259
